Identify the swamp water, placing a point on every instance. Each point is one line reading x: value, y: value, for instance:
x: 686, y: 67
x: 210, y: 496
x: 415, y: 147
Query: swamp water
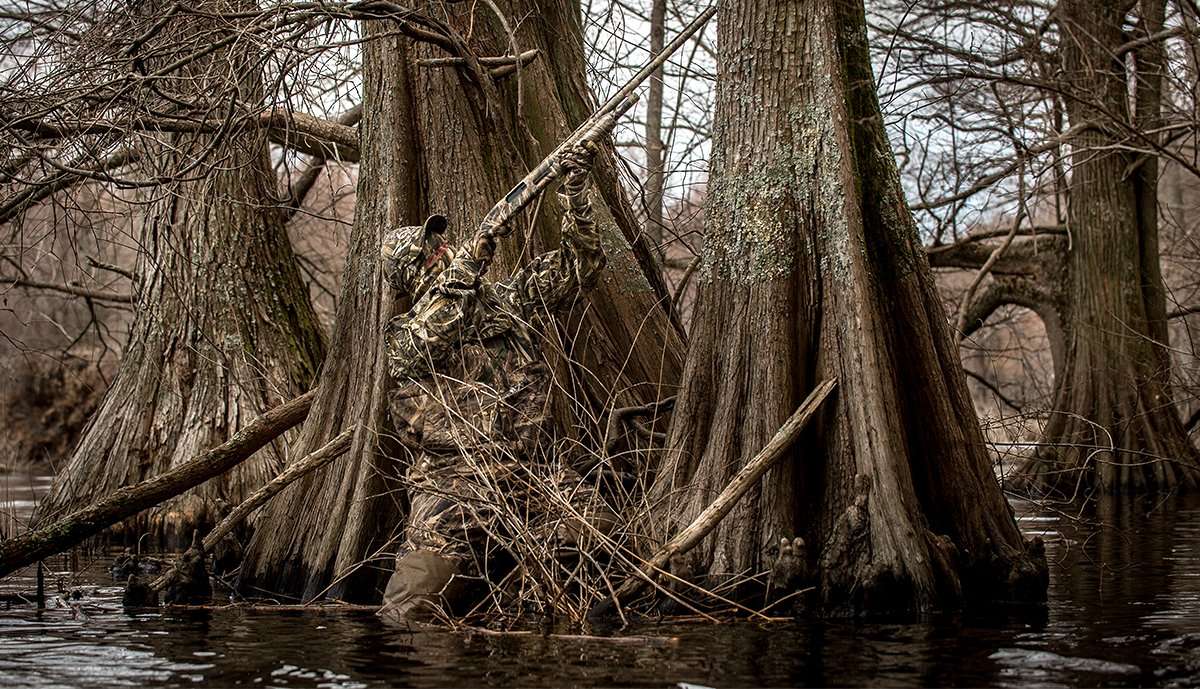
x: 1124, y: 610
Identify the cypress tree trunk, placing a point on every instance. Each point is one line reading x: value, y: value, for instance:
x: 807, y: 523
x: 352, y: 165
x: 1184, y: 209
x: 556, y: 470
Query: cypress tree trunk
x: 1115, y: 427
x: 224, y: 329
x: 317, y: 531
x: 813, y: 269
x: 438, y: 141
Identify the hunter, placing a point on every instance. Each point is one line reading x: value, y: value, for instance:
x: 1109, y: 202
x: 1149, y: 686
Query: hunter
x: 471, y: 397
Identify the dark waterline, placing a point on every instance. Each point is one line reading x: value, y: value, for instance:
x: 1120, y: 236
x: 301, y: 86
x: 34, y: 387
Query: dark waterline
x: 1124, y: 610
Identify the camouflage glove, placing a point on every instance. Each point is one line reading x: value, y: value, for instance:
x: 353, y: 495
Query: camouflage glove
x: 577, y: 162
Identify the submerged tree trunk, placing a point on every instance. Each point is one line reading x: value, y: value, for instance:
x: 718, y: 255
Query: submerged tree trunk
x: 813, y: 270
x: 1114, y: 427
x: 438, y: 139
x: 224, y: 328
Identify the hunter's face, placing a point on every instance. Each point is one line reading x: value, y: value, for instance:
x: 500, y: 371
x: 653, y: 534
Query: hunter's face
x: 414, y: 255
x: 435, y: 257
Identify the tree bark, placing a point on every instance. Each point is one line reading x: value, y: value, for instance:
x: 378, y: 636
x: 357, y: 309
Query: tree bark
x: 442, y: 139
x: 129, y: 500
x: 224, y: 329
x: 1115, y: 427
x: 812, y: 271
x: 323, y: 530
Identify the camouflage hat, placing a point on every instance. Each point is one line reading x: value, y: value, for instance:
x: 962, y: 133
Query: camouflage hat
x: 411, y: 251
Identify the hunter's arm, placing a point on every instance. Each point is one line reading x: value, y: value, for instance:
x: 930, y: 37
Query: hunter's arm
x: 417, y: 342
x: 554, y: 279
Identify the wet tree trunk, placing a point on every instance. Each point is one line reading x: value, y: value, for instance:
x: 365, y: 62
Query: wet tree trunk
x: 1115, y: 427
x: 437, y: 139
x: 224, y: 328
x: 813, y: 270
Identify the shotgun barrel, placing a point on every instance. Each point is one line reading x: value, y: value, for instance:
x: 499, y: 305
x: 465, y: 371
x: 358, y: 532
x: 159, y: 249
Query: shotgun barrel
x: 601, y: 123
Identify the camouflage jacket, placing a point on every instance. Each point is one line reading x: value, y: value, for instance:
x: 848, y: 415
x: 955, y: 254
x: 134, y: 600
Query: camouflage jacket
x: 464, y: 358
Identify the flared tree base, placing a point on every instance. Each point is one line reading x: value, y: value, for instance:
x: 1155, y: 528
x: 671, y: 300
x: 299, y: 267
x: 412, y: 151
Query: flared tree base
x: 1121, y: 446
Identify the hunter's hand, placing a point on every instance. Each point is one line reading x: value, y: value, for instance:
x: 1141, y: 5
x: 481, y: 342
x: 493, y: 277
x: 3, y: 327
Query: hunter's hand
x: 577, y: 161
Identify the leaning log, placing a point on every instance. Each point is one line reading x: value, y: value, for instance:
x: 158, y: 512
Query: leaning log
x: 712, y: 515
x: 327, y: 453
x: 77, y: 526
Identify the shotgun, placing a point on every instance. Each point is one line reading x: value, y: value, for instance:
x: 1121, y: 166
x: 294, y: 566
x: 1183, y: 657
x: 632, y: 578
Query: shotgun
x: 497, y: 221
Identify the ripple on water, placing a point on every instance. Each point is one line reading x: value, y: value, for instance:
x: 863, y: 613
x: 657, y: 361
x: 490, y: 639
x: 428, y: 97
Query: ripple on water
x: 1044, y: 660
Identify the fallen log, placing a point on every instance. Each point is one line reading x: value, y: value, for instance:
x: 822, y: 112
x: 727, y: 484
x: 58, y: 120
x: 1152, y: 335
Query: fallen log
x: 712, y: 515
x: 324, y: 455
x: 123, y: 503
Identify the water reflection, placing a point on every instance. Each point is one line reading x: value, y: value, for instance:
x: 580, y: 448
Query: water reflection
x: 1124, y: 610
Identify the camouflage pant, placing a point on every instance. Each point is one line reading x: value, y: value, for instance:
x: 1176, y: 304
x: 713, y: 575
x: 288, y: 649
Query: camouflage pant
x: 463, y: 513
x: 465, y: 507
x: 485, y: 479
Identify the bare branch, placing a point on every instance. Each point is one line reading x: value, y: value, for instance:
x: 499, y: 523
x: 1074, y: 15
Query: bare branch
x: 73, y: 290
